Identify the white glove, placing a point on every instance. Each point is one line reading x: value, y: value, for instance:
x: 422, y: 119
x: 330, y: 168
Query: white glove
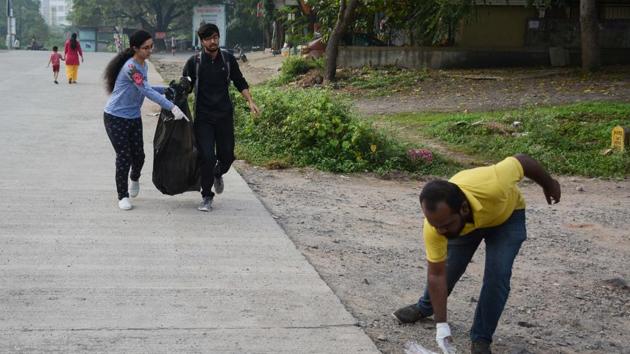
x: 444, y: 339
x: 178, y: 114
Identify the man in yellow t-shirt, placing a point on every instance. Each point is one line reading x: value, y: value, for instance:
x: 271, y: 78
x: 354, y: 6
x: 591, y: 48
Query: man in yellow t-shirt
x: 478, y: 204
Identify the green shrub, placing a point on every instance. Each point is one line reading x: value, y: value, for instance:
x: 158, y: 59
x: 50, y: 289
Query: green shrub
x: 299, y: 39
x: 294, y: 66
x: 313, y: 128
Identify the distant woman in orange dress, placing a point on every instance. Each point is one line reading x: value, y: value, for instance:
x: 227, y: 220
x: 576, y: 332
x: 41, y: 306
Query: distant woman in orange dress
x: 72, y: 53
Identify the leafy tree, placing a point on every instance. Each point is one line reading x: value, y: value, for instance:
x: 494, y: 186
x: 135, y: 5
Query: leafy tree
x: 344, y: 16
x: 243, y: 24
x: 153, y: 16
x: 29, y: 22
x: 90, y: 13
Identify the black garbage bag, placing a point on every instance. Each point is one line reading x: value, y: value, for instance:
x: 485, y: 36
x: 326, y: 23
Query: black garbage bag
x: 175, y: 157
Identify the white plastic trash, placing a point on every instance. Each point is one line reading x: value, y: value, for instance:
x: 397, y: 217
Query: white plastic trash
x: 412, y: 347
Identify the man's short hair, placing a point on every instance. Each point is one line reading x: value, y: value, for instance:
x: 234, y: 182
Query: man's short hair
x: 438, y: 191
x: 207, y: 30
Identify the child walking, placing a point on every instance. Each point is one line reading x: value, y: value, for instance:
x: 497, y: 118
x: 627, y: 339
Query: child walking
x: 55, y: 58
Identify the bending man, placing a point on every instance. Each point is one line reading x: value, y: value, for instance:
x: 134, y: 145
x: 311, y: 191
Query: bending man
x: 480, y: 204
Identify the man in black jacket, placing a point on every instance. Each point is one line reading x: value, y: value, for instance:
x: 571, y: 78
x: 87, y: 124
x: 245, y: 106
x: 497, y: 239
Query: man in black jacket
x: 211, y: 71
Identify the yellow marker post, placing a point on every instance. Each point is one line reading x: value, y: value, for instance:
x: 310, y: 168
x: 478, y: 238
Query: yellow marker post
x: 620, y: 138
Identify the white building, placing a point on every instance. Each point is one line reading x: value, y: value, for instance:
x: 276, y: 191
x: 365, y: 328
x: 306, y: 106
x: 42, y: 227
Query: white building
x: 55, y: 12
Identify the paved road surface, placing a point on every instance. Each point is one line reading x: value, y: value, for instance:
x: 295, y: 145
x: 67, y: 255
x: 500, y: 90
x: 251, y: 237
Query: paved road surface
x: 79, y: 275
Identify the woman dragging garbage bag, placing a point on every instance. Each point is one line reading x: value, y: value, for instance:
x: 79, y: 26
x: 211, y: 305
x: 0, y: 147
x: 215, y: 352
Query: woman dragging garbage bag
x: 126, y: 81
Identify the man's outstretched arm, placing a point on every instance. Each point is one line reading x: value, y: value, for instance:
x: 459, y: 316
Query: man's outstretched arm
x: 536, y: 172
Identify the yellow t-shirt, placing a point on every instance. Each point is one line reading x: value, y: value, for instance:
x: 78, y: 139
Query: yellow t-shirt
x: 493, y: 195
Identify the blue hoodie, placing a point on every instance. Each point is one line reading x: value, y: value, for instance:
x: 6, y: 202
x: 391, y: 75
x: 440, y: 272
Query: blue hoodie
x: 130, y: 89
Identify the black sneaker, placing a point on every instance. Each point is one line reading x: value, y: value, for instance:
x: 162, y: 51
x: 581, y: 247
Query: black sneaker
x: 480, y: 347
x: 57, y: 82
x: 408, y: 314
x: 205, y: 205
x: 218, y: 184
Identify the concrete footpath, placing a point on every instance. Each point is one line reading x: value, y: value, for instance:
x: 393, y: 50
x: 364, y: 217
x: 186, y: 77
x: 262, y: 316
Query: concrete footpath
x: 79, y: 275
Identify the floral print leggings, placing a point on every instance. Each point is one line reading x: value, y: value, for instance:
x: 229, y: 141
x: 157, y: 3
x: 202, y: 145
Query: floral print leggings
x: 126, y: 137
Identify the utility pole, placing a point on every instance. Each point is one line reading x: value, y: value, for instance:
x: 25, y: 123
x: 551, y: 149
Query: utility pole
x: 10, y: 25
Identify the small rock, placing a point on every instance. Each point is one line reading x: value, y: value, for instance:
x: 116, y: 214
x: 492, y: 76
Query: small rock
x: 366, y: 282
x: 579, y: 189
x: 616, y: 284
x: 526, y: 324
x: 382, y: 338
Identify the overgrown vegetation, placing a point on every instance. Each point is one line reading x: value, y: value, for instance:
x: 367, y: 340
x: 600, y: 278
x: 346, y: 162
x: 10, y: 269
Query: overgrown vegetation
x: 366, y: 81
x: 293, y: 67
x: 568, y: 140
x: 313, y: 128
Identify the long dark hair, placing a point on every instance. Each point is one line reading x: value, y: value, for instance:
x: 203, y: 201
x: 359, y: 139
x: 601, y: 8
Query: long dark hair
x: 73, y: 41
x: 113, y: 68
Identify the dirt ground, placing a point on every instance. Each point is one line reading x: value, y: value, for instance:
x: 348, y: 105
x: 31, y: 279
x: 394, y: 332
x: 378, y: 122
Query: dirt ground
x: 363, y: 235
x: 489, y: 90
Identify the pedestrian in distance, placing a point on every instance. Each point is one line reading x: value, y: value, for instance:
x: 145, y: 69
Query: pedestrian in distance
x: 55, y: 60
x: 127, y: 81
x: 212, y: 70
x: 72, y: 52
x: 480, y: 204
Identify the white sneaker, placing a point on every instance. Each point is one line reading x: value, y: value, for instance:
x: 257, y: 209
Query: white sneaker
x: 134, y: 188
x: 205, y: 205
x: 125, y: 204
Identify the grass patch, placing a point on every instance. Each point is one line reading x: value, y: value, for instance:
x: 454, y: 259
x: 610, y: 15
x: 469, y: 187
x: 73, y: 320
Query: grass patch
x: 381, y: 82
x: 568, y: 139
x: 313, y: 127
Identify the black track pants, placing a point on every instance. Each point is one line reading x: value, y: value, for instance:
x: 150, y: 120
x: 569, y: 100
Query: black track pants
x: 215, y: 141
x: 126, y: 138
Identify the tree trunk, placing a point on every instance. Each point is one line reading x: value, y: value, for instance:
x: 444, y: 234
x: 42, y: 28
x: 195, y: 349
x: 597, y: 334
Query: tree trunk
x: 278, y: 35
x: 591, y: 56
x: 346, y: 8
x: 268, y: 21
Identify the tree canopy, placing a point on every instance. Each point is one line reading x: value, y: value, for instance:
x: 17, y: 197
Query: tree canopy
x: 153, y: 16
x: 29, y: 22
x: 424, y: 22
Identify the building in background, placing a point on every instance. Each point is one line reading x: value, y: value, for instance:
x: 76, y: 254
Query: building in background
x: 56, y: 12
